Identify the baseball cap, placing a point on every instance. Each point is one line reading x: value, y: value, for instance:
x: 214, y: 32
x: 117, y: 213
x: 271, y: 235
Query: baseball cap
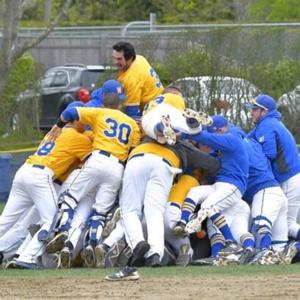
x: 262, y: 101
x: 114, y: 86
x: 219, y: 121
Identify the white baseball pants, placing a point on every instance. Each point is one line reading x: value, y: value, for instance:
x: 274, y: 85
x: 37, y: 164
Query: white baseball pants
x: 237, y: 218
x: 178, y: 121
x: 32, y: 185
x: 291, y: 189
x: 171, y: 217
x: 270, y: 207
x: 13, y: 238
x: 146, y: 183
x: 215, y: 198
x: 103, y: 173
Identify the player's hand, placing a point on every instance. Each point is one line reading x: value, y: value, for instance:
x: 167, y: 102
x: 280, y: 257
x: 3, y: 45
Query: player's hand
x: 54, y: 133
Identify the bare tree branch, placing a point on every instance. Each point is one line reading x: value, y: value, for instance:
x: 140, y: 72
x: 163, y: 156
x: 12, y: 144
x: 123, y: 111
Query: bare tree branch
x: 25, y: 4
x: 10, y: 29
x: 30, y: 44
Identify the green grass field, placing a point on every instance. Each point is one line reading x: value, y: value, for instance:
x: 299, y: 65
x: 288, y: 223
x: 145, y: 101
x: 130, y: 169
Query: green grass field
x: 163, y: 272
x: 192, y: 282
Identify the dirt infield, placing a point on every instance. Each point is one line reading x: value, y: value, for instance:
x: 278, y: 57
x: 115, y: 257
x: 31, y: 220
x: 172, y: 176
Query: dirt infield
x: 211, y: 287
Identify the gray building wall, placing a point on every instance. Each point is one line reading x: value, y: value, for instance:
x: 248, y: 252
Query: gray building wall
x: 242, y: 45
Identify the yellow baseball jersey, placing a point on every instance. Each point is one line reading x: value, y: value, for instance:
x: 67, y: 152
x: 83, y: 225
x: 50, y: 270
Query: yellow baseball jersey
x: 159, y: 150
x: 114, y: 132
x: 181, y: 188
x: 78, y: 163
x: 140, y: 81
x: 168, y: 98
x: 68, y: 148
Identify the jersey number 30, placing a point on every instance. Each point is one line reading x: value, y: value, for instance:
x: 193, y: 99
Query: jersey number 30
x: 121, y: 131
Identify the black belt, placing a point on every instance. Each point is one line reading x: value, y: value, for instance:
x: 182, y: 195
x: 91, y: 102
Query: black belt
x: 103, y: 152
x: 142, y: 154
x: 38, y: 166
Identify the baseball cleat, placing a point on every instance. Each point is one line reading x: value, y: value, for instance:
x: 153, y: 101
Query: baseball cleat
x: 57, y: 243
x: 124, y: 256
x: 231, y: 248
x: 195, y: 224
x: 153, y: 261
x: 263, y: 257
x: 111, y: 223
x: 25, y: 265
x: 231, y: 259
x: 33, y: 229
x: 207, y: 261
x: 168, y: 132
x: 247, y: 255
x: 88, y: 257
x: 183, y: 258
x: 114, y: 254
x: 100, y: 254
x: 127, y: 273
x: 11, y: 264
x: 288, y: 253
x: 138, y: 255
x: 65, y: 258
x: 179, y: 229
x: 194, y: 118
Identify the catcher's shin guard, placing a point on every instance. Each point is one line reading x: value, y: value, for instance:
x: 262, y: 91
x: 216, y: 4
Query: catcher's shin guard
x: 67, y: 207
x: 96, y: 223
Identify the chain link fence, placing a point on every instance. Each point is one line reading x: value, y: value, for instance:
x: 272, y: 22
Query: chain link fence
x: 265, y: 55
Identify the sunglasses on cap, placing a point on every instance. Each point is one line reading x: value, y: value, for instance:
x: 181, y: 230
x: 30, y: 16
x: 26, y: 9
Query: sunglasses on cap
x: 254, y: 105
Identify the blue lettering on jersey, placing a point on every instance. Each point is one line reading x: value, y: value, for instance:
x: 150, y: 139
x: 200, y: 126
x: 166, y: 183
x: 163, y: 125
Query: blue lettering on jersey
x: 121, y: 131
x: 159, y: 99
x: 45, y: 149
x: 155, y: 75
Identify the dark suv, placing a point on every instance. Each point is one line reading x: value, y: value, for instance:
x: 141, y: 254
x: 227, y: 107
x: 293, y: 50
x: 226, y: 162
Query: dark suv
x: 65, y: 84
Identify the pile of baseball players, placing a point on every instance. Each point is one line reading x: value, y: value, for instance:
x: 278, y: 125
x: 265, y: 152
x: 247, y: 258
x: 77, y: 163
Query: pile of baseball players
x: 126, y: 179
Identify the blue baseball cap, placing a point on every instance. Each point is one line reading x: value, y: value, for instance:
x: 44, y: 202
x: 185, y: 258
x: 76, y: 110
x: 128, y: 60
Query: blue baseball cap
x: 262, y: 101
x: 114, y: 86
x: 219, y: 121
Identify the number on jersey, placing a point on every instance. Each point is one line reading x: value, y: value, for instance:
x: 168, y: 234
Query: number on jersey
x: 153, y: 103
x: 121, y: 131
x: 155, y: 75
x: 45, y: 149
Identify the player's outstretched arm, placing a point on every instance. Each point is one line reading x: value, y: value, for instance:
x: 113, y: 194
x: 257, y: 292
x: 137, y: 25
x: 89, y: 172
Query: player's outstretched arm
x: 70, y: 114
x: 54, y: 133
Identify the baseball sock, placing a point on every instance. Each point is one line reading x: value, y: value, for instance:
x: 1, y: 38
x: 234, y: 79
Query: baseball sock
x: 217, y: 243
x: 220, y: 221
x: 265, y: 235
x: 187, y: 209
x: 247, y: 240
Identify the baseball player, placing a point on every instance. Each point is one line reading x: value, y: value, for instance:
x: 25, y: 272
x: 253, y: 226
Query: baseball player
x: 11, y: 240
x: 148, y: 178
x: 268, y: 206
x: 230, y: 183
x: 238, y: 219
x: 140, y: 81
x: 114, y: 135
x: 166, y: 114
x: 181, y: 245
x: 109, y: 86
x: 280, y: 147
x: 33, y: 185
